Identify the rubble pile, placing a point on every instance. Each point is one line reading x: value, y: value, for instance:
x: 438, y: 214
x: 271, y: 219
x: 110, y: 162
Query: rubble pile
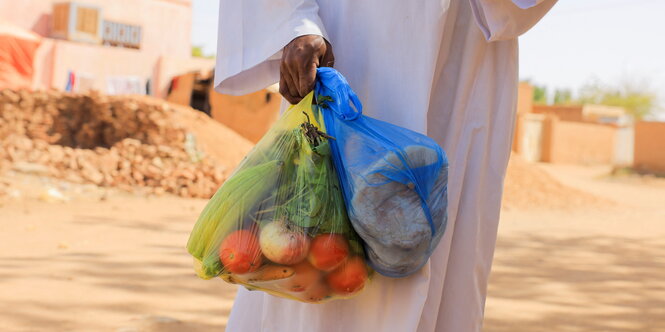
x: 124, y: 142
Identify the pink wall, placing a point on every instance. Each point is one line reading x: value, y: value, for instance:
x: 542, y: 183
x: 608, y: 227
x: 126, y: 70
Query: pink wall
x: 99, y: 62
x: 166, y: 23
x: 165, y: 49
x: 55, y: 58
x: 43, y: 64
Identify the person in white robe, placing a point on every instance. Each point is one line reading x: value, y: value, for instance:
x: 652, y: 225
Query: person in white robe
x: 445, y: 68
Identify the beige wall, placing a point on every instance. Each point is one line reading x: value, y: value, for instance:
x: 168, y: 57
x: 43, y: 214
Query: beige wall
x: 567, y: 133
x: 250, y: 115
x: 166, y: 24
x: 173, y: 66
x: 524, y: 106
x: 567, y: 142
x: 650, y: 146
x: 565, y: 113
x: 530, y: 144
x: 181, y: 93
x: 524, y: 98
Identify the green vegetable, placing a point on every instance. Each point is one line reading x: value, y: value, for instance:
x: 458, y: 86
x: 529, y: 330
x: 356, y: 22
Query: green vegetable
x: 227, y: 209
x: 289, y: 176
x: 315, y: 200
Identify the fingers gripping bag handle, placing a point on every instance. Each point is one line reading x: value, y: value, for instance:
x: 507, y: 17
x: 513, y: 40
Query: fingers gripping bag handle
x: 279, y: 223
x: 394, y: 180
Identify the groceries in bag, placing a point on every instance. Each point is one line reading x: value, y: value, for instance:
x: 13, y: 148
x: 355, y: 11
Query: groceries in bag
x: 279, y: 223
x: 394, y: 180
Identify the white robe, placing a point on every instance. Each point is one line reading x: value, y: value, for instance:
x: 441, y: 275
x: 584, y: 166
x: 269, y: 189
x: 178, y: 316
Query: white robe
x: 447, y: 68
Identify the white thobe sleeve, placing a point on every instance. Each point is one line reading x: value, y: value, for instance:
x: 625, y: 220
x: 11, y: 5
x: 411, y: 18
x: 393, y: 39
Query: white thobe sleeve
x: 251, y: 36
x: 507, y: 19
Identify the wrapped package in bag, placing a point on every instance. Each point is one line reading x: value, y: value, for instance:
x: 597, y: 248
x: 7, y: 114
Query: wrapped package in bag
x: 279, y: 223
x: 394, y: 180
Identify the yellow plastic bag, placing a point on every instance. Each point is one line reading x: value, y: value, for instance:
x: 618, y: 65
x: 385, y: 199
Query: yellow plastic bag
x: 279, y: 223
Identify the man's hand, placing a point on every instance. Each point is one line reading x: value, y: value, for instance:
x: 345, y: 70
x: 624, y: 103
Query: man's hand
x: 300, y: 58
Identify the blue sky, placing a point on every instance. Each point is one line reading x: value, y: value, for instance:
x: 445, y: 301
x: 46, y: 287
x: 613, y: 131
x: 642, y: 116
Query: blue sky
x: 610, y: 41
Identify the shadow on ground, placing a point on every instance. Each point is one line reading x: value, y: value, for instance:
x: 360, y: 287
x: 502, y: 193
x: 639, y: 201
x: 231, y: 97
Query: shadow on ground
x: 584, y: 283
x: 56, y: 291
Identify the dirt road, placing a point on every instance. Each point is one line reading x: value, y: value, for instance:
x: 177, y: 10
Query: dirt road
x: 116, y: 262
x: 113, y: 265
x: 583, y: 270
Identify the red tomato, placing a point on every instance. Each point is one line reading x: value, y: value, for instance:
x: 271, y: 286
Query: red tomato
x: 328, y: 251
x: 240, y: 252
x: 349, y: 278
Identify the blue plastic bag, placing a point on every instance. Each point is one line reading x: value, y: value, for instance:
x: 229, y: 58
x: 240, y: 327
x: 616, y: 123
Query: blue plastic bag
x: 394, y: 180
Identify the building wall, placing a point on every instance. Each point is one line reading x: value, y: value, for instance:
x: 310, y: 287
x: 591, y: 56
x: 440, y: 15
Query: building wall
x: 166, y: 24
x: 250, y: 115
x: 174, y: 66
x: 56, y: 58
x: 530, y: 143
x: 570, y: 142
x: 524, y: 106
x: 650, y: 146
x: 524, y: 98
x: 99, y: 63
x: 625, y: 146
x: 165, y: 48
x: 565, y: 113
x: 572, y: 133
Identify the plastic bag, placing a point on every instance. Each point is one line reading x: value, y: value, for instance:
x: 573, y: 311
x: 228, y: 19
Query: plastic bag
x: 394, y: 180
x: 279, y: 223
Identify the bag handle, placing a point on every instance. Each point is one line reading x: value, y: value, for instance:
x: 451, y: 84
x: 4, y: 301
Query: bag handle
x: 334, y: 93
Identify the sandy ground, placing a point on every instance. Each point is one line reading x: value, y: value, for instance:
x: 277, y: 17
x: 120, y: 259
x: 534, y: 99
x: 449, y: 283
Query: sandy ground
x: 115, y: 264
x: 583, y: 270
x: 110, y: 261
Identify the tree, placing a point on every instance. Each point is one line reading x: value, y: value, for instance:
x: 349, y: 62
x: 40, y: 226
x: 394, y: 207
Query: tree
x: 563, y: 96
x: 197, y: 52
x: 637, y: 99
x: 539, y: 94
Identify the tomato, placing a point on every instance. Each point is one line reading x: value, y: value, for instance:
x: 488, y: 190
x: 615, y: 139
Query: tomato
x: 240, y: 252
x: 328, y: 251
x: 349, y: 278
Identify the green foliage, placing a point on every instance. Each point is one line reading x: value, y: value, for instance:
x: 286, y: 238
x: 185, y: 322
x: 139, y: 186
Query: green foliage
x: 639, y: 101
x: 539, y: 94
x: 636, y: 97
x: 563, y: 97
x: 197, y: 52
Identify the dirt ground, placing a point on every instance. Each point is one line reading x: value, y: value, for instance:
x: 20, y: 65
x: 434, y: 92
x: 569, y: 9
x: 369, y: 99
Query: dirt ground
x: 102, y: 260
x: 583, y: 270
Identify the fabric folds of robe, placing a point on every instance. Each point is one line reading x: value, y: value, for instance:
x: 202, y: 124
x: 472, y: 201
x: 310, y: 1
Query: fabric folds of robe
x: 447, y: 68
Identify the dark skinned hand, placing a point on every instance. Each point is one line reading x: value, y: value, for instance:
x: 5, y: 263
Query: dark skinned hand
x: 300, y: 58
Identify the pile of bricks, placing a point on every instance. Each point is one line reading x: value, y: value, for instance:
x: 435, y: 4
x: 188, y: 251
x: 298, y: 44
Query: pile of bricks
x: 122, y: 142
